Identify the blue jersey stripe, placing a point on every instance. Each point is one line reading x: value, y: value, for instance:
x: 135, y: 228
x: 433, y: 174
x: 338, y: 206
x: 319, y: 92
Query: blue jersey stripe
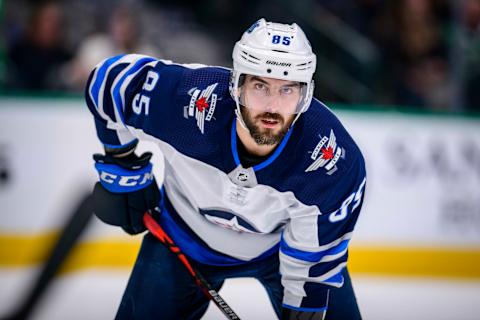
x: 101, y: 77
x: 335, y: 279
x: 116, y: 90
x: 312, y: 256
x: 233, y: 142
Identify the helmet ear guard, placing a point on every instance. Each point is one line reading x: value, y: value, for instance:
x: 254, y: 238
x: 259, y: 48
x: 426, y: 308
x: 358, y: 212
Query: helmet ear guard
x: 235, y: 93
x: 274, y: 50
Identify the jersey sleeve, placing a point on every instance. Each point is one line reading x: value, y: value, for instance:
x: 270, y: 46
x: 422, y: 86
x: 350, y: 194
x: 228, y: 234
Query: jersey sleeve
x: 314, y: 246
x: 122, y: 93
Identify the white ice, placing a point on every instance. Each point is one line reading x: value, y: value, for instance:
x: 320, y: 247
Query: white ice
x: 95, y: 294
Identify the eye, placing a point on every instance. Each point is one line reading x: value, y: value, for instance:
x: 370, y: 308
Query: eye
x: 259, y: 86
x: 286, y: 90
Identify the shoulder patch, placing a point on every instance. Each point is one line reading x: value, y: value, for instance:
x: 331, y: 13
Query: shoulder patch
x: 326, y: 154
x: 202, y: 105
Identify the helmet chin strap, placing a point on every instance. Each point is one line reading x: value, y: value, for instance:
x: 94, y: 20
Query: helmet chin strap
x: 240, y: 118
x: 238, y: 111
x: 295, y: 120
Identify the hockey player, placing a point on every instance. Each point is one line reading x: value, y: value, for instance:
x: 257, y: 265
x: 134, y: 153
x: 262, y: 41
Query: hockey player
x: 261, y: 180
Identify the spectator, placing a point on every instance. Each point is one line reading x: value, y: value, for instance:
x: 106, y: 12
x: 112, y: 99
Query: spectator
x: 35, y: 60
x: 471, y: 16
x: 416, y: 54
x: 123, y: 36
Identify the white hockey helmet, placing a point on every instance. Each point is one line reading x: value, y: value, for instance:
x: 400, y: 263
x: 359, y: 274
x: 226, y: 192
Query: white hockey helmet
x: 274, y: 50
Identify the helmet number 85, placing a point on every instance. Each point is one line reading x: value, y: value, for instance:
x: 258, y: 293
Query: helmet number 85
x: 276, y: 39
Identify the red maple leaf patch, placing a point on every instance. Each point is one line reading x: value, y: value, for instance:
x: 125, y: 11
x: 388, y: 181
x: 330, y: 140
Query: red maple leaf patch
x: 201, y: 104
x: 327, y: 154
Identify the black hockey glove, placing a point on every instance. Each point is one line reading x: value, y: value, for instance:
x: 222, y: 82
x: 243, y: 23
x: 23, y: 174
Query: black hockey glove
x: 290, y: 314
x: 127, y: 189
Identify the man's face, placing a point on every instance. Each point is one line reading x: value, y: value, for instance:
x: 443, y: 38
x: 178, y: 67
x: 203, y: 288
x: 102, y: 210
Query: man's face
x: 268, y: 107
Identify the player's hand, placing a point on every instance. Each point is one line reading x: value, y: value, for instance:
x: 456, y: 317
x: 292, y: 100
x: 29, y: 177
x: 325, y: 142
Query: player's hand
x: 126, y: 190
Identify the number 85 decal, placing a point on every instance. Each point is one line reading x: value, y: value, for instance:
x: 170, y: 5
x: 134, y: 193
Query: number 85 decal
x: 276, y: 39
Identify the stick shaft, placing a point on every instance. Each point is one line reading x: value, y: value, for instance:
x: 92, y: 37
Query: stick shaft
x: 201, y: 282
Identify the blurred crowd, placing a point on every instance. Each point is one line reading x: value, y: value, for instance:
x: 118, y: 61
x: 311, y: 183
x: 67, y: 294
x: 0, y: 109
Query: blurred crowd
x: 402, y: 53
x: 38, y: 55
x: 53, y: 45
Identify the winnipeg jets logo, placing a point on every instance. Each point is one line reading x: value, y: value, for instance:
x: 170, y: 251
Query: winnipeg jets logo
x: 202, y: 105
x: 326, y: 154
x: 228, y: 223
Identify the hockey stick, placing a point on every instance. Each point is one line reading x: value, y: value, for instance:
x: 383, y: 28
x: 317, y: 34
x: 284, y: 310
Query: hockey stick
x: 209, y: 292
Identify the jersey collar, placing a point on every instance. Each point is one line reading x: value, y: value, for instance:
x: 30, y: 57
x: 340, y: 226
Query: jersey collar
x: 265, y: 163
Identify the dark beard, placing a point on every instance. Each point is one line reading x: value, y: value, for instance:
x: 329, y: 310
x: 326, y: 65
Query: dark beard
x: 267, y: 136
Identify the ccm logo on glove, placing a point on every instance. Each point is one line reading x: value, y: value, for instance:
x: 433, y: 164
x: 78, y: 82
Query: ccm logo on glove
x: 119, y: 180
x: 126, y: 181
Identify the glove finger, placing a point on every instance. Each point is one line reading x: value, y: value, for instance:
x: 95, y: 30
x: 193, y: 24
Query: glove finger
x: 109, y: 207
x: 144, y: 159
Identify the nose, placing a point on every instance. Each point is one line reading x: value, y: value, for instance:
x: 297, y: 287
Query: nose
x: 274, y: 104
